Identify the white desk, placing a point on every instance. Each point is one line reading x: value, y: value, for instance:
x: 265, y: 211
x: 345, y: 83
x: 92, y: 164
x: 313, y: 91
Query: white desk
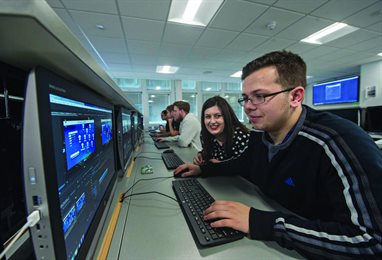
x: 152, y: 226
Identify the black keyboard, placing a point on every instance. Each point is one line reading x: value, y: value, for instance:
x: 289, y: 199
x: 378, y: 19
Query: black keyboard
x: 193, y: 200
x: 171, y: 160
x: 160, y: 145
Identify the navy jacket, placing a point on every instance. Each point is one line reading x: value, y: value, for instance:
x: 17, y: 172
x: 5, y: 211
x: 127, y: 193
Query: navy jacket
x: 329, y: 174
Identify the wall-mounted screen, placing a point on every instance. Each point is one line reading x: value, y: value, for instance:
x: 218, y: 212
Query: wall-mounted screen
x: 336, y: 92
x: 69, y: 163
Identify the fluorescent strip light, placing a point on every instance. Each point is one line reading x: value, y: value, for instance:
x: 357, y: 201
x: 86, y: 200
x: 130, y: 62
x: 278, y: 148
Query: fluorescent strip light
x: 330, y: 33
x: 191, y: 9
x: 379, y: 54
x: 237, y: 74
x: 166, y: 69
x: 193, y: 12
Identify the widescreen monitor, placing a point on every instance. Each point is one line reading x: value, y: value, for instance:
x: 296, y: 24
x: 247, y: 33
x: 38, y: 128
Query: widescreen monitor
x: 337, y: 91
x: 135, y: 128
x: 69, y: 164
x: 373, y: 119
x: 126, y: 137
x: 352, y: 114
x: 141, y: 125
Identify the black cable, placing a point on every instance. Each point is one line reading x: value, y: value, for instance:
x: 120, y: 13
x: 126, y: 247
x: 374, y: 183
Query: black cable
x: 150, y: 192
x: 149, y: 179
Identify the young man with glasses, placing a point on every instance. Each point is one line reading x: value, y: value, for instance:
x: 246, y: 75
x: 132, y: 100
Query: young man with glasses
x: 324, y: 169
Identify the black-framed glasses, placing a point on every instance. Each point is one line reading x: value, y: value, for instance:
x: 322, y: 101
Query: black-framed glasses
x: 260, y: 98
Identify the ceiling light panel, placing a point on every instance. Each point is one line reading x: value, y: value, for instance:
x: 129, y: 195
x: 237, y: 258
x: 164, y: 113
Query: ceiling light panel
x: 193, y: 12
x: 166, y: 69
x: 330, y: 33
x: 237, y: 74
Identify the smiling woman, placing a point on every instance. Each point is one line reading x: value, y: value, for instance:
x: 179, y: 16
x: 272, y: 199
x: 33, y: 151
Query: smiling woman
x: 223, y: 136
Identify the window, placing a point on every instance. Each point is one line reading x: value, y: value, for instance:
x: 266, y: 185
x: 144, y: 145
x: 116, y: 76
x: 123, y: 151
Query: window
x: 191, y: 99
x: 210, y: 86
x: 157, y: 103
x: 234, y: 87
x: 126, y: 84
x: 136, y: 98
x: 188, y: 84
x: 232, y: 100
x: 158, y: 84
x: 208, y: 95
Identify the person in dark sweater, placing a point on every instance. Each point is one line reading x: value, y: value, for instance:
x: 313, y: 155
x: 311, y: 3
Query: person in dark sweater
x: 324, y: 169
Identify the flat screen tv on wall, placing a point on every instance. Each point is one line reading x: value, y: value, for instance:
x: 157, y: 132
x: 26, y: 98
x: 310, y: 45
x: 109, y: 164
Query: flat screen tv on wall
x: 339, y: 91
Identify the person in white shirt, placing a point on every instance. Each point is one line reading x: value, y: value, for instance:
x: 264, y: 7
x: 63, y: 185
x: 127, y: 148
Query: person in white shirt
x: 189, y: 130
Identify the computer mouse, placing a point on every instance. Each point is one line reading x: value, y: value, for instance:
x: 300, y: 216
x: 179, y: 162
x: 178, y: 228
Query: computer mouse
x: 168, y: 151
x: 179, y: 175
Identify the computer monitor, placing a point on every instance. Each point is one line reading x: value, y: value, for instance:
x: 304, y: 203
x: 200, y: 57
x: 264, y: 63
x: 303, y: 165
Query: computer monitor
x: 135, y: 127
x: 337, y: 91
x: 124, y: 138
x: 141, y: 125
x: 373, y: 119
x: 352, y: 114
x: 127, y: 137
x: 69, y: 164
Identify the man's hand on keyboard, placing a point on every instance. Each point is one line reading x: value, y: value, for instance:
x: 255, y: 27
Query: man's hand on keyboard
x: 228, y: 214
x: 188, y: 170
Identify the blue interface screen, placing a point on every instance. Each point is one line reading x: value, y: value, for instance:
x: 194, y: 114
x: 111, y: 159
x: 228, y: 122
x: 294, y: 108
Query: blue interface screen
x: 79, y: 141
x: 69, y: 219
x: 335, y: 92
x: 107, y: 131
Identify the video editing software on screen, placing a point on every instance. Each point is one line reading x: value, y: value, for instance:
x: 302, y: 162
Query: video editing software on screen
x: 84, y: 163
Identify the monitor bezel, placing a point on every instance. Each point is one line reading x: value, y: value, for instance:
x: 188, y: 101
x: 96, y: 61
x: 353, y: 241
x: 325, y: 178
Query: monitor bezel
x: 47, y: 82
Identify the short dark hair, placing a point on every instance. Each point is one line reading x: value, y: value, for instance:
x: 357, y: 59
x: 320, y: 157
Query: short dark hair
x: 164, y: 112
x: 183, y: 105
x: 231, y: 123
x: 170, y: 108
x: 290, y: 67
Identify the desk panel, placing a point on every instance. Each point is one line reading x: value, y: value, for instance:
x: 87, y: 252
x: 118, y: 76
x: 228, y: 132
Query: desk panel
x: 152, y: 226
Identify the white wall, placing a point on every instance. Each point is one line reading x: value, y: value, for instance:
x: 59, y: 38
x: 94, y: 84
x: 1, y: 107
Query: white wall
x: 371, y: 75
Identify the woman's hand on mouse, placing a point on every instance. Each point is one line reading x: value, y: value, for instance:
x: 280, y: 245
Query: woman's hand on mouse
x: 188, y: 170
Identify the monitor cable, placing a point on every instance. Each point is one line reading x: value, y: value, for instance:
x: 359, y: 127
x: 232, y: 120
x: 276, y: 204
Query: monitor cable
x: 150, y: 179
x: 32, y: 220
x: 150, y: 192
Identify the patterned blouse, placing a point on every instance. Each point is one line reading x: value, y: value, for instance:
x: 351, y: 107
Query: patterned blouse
x: 240, y: 144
